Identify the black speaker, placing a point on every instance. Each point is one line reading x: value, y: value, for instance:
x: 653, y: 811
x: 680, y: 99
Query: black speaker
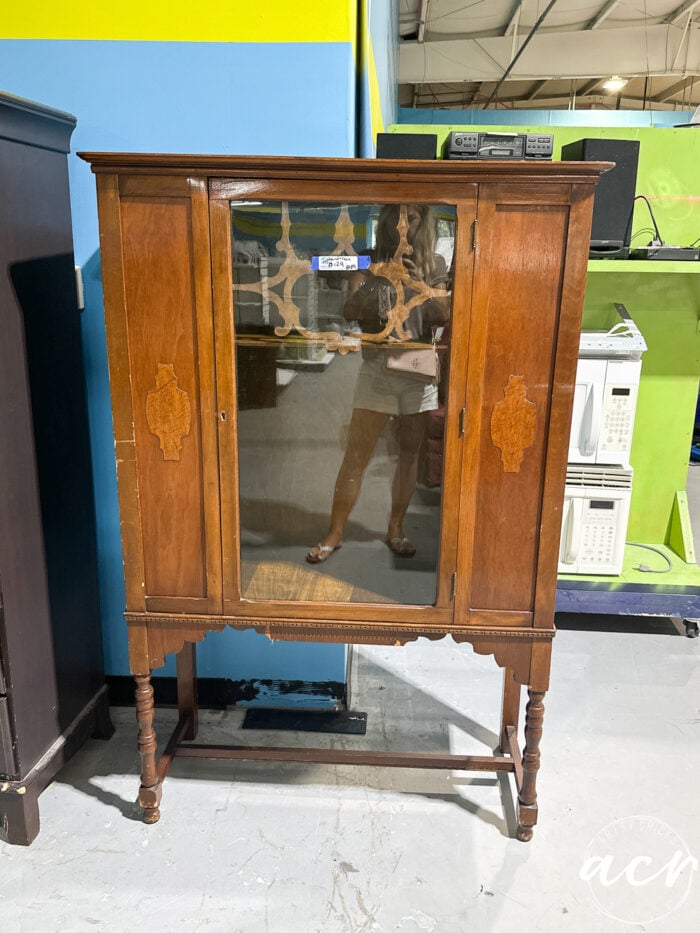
x: 614, y: 197
x: 406, y: 146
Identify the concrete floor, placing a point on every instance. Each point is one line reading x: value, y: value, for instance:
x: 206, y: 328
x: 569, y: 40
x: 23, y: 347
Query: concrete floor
x: 294, y: 848
x: 252, y: 847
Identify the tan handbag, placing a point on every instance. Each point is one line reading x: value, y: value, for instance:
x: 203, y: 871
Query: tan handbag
x: 421, y: 362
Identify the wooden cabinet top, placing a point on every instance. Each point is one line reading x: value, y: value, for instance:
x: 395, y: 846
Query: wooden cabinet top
x: 293, y: 167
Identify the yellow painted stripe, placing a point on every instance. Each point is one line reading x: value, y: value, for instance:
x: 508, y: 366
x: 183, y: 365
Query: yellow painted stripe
x: 369, y: 70
x: 375, y: 102
x: 177, y: 21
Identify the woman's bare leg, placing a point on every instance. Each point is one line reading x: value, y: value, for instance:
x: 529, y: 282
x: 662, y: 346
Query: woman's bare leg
x: 411, y: 433
x: 365, y: 429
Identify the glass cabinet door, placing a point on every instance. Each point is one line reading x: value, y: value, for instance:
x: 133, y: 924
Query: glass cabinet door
x: 342, y: 331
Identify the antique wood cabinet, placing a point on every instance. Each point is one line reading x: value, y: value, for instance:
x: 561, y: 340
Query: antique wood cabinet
x: 252, y: 306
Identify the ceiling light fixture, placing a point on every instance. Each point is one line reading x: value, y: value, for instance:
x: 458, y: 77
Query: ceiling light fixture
x: 615, y: 83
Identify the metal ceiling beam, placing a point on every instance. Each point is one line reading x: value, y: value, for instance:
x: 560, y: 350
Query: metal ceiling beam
x: 477, y: 91
x: 535, y: 89
x: 588, y: 87
x: 469, y: 91
x: 603, y: 14
x: 458, y: 103
x: 520, y: 51
x: 626, y: 51
x: 680, y: 11
x: 422, y: 19
x: 673, y: 89
x: 514, y: 17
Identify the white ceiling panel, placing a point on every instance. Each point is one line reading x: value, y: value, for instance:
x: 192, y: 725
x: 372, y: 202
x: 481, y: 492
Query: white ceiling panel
x: 485, y: 49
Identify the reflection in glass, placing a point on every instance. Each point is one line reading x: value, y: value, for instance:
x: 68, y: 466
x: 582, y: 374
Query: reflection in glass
x: 341, y: 316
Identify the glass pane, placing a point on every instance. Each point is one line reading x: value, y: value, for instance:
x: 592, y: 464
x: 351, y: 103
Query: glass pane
x: 342, y: 322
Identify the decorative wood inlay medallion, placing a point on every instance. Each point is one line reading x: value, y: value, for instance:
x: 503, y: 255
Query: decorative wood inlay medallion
x: 513, y: 424
x: 168, y: 412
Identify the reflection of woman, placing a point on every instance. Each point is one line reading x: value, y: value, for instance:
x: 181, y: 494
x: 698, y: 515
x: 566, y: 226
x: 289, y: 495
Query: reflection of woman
x: 383, y: 393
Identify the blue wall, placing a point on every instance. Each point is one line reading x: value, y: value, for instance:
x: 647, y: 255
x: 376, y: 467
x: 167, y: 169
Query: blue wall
x: 248, y: 98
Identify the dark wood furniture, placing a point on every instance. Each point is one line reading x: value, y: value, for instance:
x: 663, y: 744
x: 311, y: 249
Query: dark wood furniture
x: 219, y: 503
x: 52, y: 687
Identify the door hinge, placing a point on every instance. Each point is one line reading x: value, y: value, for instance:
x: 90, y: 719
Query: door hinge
x: 462, y: 416
x: 474, y: 235
x: 453, y: 590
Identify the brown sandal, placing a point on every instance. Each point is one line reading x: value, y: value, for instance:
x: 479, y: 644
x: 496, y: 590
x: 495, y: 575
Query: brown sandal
x: 402, y: 547
x: 321, y: 552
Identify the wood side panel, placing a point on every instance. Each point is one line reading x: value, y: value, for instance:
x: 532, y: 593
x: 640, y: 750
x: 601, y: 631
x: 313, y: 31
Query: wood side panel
x: 120, y: 388
x: 222, y: 279
x: 475, y: 351
x: 201, y: 248
x: 452, y: 451
x: 160, y: 302
x: 573, y: 288
x: 524, y: 273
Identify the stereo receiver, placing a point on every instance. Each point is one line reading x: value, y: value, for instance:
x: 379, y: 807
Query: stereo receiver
x: 470, y: 145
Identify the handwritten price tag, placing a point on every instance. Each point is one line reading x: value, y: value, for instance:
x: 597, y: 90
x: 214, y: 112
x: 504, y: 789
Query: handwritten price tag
x: 339, y: 263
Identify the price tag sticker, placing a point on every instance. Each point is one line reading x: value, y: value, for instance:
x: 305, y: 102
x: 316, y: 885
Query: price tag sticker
x: 339, y: 263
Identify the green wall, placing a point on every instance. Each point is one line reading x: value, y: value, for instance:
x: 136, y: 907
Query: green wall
x: 669, y: 169
x: 662, y: 298
x: 665, y: 304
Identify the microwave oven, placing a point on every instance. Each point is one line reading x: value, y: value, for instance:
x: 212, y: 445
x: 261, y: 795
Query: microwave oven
x: 605, y: 400
x: 594, y: 520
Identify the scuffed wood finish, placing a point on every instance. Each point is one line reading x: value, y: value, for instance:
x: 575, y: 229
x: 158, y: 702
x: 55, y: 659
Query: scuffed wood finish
x: 113, y: 285
x: 517, y: 296
x: 513, y: 424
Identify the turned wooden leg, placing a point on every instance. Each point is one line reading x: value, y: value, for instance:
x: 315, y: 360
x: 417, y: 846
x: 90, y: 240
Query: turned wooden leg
x: 150, y: 790
x: 510, y: 708
x: 527, y: 796
x: 186, y: 663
